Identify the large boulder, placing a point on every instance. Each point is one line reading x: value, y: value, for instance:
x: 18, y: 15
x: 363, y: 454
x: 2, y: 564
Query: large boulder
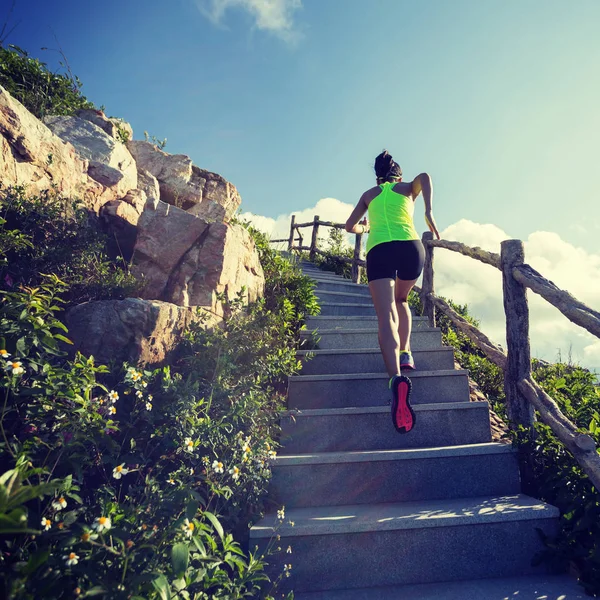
x: 133, y: 330
x: 186, y: 186
x: 148, y: 184
x: 30, y: 154
x: 110, y: 163
x: 183, y: 259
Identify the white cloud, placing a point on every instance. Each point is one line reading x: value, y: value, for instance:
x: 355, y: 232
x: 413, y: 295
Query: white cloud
x: 275, y: 16
x: 467, y: 281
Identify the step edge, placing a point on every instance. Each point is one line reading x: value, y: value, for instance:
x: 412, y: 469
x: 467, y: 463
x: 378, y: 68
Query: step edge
x: 354, y: 376
x: 341, y: 351
x: 306, y: 332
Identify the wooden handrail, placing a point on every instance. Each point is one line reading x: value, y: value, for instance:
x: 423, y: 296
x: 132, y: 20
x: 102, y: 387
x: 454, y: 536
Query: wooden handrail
x: 477, y: 253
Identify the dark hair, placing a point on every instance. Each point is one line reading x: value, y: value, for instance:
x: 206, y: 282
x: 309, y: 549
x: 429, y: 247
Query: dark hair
x: 386, y: 168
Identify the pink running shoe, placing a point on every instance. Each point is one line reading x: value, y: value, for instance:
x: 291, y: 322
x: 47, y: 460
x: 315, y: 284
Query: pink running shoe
x: 403, y: 416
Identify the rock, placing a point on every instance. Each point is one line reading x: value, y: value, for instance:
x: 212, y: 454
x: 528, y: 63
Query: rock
x: 148, y: 183
x: 184, y: 185
x: 120, y: 219
x: 133, y: 330
x: 116, y: 128
x: 111, y: 164
x: 30, y: 154
x: 185, y: 260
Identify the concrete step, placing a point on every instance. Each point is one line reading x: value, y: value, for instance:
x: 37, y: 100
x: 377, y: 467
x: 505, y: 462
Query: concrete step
x: 371, y: 428
x: 352, y: 298
x: 420, y: 339
x: 363, y: 322
x: 361, y: 546
x: 382, y: 476
x: 369, y: 360
x: 327, y: 285
x: 372, y: 389
x: 528, y: 587
x: 354, y: 309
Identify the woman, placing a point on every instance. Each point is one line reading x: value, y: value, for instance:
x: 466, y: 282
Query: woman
x: 395, y: 257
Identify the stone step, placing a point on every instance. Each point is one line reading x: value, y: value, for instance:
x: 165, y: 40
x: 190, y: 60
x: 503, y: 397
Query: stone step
x: 369, y: 360
x: 367, y: 322
x: 337, y: 390
x: 361, y: 546
x: 349, y: 297
x: 420, y: 339
x: 371, y: 428
x: 382, y: 476
x: 528, y: 587
x: 346, y: 309
x: 327, y: 285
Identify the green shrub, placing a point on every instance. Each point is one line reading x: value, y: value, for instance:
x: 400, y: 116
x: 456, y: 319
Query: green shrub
x: 142, y: 480
x: 40, y: 90
x: 48, y: 234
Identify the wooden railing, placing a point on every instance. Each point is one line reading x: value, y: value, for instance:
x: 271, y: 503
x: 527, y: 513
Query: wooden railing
x: 523, y: 394
x: 356, y: 261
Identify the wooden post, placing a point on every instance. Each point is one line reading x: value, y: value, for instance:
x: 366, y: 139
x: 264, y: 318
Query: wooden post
x: 427, y: 286
x: 313, y: 241
x: 357, y: 250
x: 518, y: 364
x: 291, y: 239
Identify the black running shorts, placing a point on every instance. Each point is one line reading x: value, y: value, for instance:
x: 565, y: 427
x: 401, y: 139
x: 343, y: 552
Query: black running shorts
x: 389, y: 260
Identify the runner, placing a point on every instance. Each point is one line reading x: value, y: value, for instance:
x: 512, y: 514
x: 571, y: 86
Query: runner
x: 395, y: 257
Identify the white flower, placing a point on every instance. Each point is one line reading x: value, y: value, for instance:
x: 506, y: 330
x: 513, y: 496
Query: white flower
x: 112, y: 410
x: 235, y: 473
x: 150, y: 397
x: 4, y: 353
x: 281, y: 513
x: 102, y: 524
x: 59, y: 504
x: 71, y: 559
x: 135, y: 375
x: 46, y: 523
x: 86, y: 536
x: 188, y: 445
x: 120, y: 470
x: 188, y: 528
x: 272, y: 454
x: 206, y: 460
x: 148, y: 406
x: 217, y: 466
x: 113, y: 396
x: 171, y: 481
x: 139, y: 393
x: 14, y: 367
x: 287, y: 569
x: 289, y: 550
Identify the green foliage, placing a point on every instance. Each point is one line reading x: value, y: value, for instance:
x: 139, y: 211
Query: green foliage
x: 160, y: 144
x: 47, y: 234
x: 40, y: 90
x: 337, y: 247
x: 133, y: 482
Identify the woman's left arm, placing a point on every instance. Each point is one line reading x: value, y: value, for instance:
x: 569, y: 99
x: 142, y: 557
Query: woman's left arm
x: 352, y: 224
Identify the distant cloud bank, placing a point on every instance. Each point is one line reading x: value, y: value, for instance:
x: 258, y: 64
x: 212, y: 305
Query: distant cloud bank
x: 467, y: 281
x: 274, y: 16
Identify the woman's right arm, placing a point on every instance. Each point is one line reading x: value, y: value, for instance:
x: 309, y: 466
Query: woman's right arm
x: 422, y: 183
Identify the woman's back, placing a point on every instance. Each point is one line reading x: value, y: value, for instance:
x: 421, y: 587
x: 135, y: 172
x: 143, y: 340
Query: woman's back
x: 391, y: 210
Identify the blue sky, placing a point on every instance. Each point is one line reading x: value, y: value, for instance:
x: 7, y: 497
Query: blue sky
x: 291, y: 100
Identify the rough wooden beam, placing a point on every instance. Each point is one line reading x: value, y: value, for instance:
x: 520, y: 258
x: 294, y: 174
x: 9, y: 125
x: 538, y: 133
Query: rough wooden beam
x: 581, y: 445
x: 313, y: 242
x: 491, y: 350
x: 573, y: 309
x: 428, y: 287
x: 489, y: 258
x: 291, y: 238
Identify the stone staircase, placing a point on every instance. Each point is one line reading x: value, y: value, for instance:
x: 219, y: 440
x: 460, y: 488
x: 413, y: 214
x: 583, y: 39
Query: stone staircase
x: 436, y: 513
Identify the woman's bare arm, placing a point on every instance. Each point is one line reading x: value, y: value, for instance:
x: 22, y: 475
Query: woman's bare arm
x: 352, y: 224
x: 422, y: 183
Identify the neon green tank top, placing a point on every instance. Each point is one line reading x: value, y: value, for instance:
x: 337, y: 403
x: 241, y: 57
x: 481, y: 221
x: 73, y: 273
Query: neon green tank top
x: 390, y: 217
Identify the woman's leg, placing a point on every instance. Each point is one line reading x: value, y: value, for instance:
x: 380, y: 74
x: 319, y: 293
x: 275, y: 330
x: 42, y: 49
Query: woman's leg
x: 402, y: 289
x: 382, y: 292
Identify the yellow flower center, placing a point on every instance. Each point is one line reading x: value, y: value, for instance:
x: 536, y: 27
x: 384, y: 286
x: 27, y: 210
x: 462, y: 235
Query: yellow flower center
x: 102, y: 520
x: 61, y: 500
x: 3, y: 352
x: 190, y: 444
x: 85, y: 537
x: 16, y: 365
x: 236, y: 470
x: 191, y: 526
x: 119, y: 469
x: 72, y: 555
x: 47, y: 522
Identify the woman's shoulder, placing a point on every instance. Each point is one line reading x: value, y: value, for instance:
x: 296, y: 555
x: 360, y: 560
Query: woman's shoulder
x: 404, y: 187
x: 370, y: 194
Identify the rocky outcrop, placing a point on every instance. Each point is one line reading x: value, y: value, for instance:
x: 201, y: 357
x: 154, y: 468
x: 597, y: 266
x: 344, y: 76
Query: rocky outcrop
x: 110, y: 163
x: 186, y: 186
x: 116, y: 128
x: 30, y: 154
x: 186, y: 260
x: 133, y: 330
x: 148, y: 184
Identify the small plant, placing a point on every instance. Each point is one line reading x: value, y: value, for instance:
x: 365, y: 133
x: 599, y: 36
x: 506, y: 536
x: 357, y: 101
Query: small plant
x: 122, y: 134
x: 160, y: 144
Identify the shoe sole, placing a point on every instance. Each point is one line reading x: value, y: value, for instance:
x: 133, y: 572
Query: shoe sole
x: 408, y: 367
x: 403, y: 416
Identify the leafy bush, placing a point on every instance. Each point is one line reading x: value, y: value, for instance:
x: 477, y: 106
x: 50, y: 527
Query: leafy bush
x: 136, y: 483
x: 47, y: 234
x: 40, y: 90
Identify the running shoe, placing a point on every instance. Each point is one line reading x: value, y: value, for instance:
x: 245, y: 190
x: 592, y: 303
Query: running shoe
x: 407, y: 361
x: 403, y: 416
